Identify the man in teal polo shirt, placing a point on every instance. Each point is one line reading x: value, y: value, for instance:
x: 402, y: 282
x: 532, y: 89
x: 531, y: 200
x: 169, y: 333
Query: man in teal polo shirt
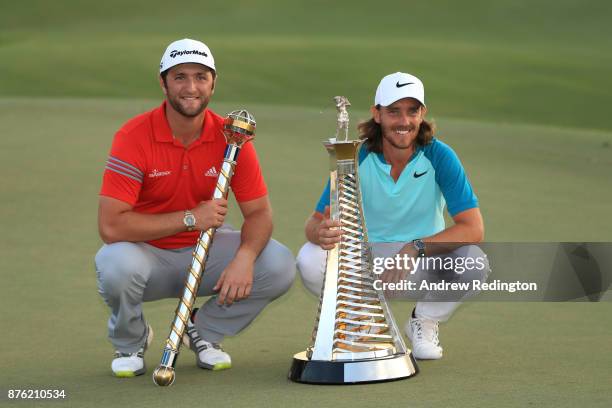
x: 407, y: 178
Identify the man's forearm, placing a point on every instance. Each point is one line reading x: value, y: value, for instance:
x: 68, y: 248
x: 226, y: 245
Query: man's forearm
x: 131, y: 226
x: 446, y: 241
x: 255, y: 234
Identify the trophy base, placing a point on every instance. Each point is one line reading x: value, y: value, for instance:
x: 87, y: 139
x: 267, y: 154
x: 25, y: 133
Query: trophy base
x: 337, y: 372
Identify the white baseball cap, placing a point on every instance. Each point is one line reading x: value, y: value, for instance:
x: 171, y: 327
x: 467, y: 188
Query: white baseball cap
x: 399, y: 86
x: 186, y: 51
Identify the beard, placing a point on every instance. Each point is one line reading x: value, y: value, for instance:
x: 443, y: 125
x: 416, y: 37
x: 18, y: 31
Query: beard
x: 187, y: 110
x: 402, y: 143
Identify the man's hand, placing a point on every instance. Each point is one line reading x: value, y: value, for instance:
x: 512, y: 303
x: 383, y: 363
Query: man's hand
x: 397, y: 273
x: 329, y: 231
x: 210, y: 213
x: 394, y: 275
x: 236, y: 281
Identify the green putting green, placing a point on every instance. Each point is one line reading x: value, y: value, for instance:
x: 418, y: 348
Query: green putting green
x: 518, y: 89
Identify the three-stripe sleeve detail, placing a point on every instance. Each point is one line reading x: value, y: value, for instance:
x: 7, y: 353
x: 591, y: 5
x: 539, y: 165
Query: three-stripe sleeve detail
x: 124, y: 168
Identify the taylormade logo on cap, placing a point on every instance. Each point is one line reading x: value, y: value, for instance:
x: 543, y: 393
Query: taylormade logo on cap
x: 398, y: 86
x: 179, y: 53
x: 186, y: 51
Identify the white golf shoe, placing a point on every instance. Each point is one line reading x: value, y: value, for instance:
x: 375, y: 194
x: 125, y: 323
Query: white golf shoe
x: 423, y: 334
x: 208, y: 355
x: 131, y: 364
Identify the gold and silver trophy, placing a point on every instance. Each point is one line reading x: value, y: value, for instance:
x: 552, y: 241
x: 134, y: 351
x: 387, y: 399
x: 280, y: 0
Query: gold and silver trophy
x: 238, y: 129
x: 355, y: 339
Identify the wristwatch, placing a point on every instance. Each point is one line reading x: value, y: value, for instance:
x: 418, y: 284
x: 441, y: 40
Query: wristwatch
x: 189, y: 220
x: 419, y: 246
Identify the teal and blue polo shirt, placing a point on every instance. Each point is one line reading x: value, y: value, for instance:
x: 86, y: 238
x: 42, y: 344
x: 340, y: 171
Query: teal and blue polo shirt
x: 412, y: 207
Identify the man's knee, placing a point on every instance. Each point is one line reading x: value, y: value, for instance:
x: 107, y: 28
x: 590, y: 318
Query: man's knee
x: 311, y: 265
x: 121, y: 267
x: 276, y: 265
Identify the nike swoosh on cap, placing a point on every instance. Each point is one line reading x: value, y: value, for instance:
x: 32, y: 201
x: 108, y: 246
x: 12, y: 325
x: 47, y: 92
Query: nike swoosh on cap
x: 400, y: 85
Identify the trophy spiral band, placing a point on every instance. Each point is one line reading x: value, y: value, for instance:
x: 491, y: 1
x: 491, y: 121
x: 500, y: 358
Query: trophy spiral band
x: 356, y: 339
x: 238, y: 128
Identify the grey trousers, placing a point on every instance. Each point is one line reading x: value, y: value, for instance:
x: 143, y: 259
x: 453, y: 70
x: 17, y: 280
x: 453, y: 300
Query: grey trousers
x: 131, y: 273
x: 311, y: 262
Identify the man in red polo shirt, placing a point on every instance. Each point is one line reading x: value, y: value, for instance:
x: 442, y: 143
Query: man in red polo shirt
x: 154, y: 201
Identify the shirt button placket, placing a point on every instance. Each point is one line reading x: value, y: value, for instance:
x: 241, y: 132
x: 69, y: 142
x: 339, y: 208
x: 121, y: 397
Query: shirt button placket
x: 185, y: 161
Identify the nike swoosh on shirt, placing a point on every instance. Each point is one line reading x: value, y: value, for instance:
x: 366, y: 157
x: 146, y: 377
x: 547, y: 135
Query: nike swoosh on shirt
x: 417, y: 175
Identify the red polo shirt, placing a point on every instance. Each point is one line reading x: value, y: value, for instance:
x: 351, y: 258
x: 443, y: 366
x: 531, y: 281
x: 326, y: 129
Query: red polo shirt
x: 154, y: 173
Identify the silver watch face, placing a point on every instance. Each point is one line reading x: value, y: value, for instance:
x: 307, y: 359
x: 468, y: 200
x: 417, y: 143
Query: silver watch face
x: 419, y: 246
x: 189, y: 220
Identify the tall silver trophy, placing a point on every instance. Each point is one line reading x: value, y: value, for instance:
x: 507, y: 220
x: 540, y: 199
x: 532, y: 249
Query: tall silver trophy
x: 355, y: 339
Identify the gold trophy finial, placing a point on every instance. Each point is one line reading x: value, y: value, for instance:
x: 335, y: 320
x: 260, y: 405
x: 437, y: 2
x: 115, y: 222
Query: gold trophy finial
x: 342, y: 103
x: 239, y: 127
x: 163, y: 376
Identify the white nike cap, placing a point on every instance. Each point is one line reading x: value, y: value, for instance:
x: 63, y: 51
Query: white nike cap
x: 398, y: 86
x: 186, y: 51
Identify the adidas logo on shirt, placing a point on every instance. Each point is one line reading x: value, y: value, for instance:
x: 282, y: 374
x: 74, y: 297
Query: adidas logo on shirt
x: 212, y: 172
